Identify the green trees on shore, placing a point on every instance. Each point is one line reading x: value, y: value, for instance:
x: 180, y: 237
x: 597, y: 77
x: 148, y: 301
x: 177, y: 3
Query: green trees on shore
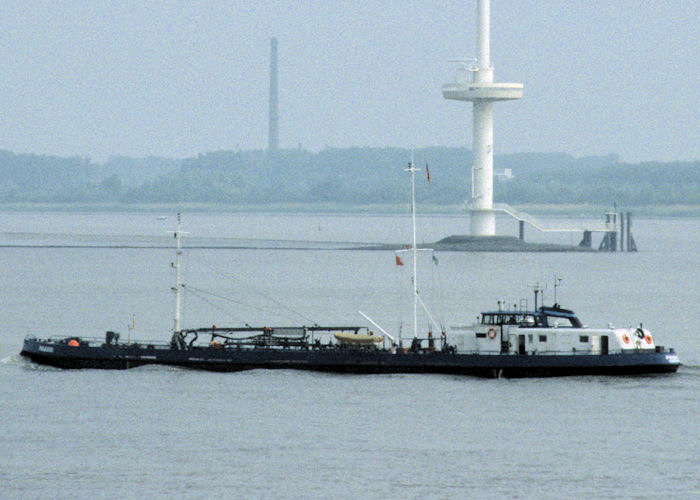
x: 348, y: 176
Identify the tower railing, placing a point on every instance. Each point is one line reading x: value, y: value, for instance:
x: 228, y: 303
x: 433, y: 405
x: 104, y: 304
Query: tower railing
x: 562, y: 228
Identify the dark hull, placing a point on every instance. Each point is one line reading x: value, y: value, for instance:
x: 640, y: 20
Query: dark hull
x: 349, y: 360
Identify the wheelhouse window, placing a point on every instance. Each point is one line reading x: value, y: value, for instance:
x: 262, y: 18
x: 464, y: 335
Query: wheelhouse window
x: 528, y: 320
x: 562, y: 322
x: 583, y: 338
x: 501, y: 319
x: 543, y: 338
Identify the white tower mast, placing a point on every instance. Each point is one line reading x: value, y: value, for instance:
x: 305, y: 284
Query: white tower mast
x: 483, y: 92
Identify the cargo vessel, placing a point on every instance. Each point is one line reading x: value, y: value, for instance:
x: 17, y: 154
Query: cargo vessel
x: 504, y: 342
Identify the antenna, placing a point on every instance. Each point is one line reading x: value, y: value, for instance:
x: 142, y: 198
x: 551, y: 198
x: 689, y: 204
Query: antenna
x: 132, y: 326
x: 538, y: 291
x: 557, y: 284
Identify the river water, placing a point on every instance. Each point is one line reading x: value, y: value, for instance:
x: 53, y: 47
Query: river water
x: 160, y: 433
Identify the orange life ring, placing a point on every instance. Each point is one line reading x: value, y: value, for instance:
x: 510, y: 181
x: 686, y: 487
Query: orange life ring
x: 648, y: 339
x: 492, y: 333
x: 625, y: 338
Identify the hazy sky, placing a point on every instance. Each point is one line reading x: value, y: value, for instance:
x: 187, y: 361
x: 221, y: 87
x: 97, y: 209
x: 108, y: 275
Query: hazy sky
x: 97, y: 78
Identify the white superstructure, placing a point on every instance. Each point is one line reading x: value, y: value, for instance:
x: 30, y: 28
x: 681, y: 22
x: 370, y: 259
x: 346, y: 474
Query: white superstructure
x: 547, y: 331
x: 481, y: 89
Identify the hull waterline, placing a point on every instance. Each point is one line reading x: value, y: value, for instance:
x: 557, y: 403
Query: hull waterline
x: 355, y: 361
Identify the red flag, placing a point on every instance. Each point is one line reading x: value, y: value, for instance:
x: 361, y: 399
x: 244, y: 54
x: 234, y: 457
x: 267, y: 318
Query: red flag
x: 427, y: 171
x: 399, y: 262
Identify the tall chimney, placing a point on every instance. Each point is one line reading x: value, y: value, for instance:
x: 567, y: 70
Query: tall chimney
x: 273, y: 132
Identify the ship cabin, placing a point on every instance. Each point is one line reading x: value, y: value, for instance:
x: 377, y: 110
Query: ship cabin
x: 546, y: 330
x: 544, y: 317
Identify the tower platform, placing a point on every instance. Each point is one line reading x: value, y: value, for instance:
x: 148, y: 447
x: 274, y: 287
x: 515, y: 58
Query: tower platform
x: 482, y: 91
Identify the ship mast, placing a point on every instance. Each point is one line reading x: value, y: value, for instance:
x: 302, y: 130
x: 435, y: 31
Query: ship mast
x: 414, y: 250
x: 176, y: 265
x: 412, y: 169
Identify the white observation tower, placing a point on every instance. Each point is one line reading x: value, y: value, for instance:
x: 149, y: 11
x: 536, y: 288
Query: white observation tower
x: 480, y: 89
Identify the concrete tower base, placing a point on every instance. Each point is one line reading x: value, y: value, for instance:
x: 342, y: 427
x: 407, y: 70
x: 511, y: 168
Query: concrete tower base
x: 483, y: 222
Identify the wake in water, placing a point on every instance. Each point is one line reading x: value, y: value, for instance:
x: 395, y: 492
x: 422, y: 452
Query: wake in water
x: 156, y: 368
x: 21, y: 361
x: 26, y: 363
x: 14, y: 359
x: 689, y: 371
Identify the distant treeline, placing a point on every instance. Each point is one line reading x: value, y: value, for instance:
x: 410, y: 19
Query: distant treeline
x: 349, y: 176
